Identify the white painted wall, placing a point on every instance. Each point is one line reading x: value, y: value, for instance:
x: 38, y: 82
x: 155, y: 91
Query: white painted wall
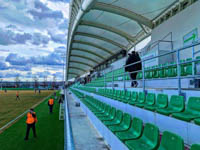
x: 180, y: 25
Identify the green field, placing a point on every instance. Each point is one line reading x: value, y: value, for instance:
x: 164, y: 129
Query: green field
x: 50, y: 132
x: 10, y: 108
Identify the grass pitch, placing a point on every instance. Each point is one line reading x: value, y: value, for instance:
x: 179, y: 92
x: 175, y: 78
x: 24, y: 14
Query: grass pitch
x: 50, y: 132
x: 10, y: 108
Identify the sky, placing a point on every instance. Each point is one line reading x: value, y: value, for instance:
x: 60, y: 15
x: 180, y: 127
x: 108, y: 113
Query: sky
x: 33, y: 37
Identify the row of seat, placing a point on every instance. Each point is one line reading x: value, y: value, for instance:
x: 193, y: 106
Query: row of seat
x: 157, y: 71
x: 131, y: 130
x: 175, y: 107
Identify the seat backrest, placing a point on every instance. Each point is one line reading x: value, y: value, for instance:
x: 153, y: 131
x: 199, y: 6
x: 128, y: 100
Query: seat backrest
x: 128, y: 93
x: 150, y: 99
x: 162, y: 100
x: 141, y: 97
x: 118, y: 93
x: 151, y: 134
x: 195, y: 147
x: 194, y: 105
x: 134, y: 95
x: 177, y: 102
x: 127, y: 120
x: 113, y: 112
x: 171, y: 141
x: 137, y: 126
x: 119, y: 115
x: 122, y: 93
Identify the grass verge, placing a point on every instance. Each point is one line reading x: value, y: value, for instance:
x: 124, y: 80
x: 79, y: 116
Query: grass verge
x: 50, y: 132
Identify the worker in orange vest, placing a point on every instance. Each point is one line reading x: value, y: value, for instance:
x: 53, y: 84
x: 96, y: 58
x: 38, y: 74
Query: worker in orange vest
x: 51, y: 103
x: 17, y: 96
x: 30, y: 121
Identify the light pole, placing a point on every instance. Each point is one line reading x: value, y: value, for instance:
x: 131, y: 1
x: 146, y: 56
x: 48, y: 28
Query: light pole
x: 64, y: 57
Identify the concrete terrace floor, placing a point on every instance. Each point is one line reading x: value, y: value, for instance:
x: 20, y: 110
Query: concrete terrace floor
x: 85, y: 135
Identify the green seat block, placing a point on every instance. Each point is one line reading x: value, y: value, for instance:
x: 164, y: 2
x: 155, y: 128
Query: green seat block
x: 123, y: 126
x: 150, y: 100
x: 134, y: 132
x: 162, y: 102
x: 171, y: 141
x: 195, y: 147
x: 133, y: 99
x: 116, y: 121
x: 197, y: 121
x: 191, y: 112
x: 148, y: 141
x: 176, y: 104
x: 141, y: 100
x: 110, y: 117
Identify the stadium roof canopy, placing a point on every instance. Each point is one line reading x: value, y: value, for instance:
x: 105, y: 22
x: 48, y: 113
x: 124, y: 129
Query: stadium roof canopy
x: 99, y: 29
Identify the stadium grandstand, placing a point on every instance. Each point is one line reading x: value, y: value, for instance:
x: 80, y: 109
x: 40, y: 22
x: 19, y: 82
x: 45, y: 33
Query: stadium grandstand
x: 155, y: 106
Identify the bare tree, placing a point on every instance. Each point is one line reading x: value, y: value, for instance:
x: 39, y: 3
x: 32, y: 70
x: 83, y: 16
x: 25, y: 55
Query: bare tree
x: 45, y: 82
x: 17, y: 81
x: 54, y: 82
x: 35, y: 80
x: 27, y: 84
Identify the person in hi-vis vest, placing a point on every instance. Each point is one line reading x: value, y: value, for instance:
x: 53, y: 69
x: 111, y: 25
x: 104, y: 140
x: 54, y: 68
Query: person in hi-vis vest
x: 17, y: 96
x: 51, y: 103
x: 31, y: 119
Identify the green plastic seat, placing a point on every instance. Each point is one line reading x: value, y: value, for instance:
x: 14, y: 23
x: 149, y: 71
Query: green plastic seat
x: 195, y: 147
x: 128, y: 96
x: 150, y: 72
x: 122, y: 96
x: 176, y: 104
x: 197, y: 121
x: 148, y: 141
x: 133, y: 99
x: 171, y: 141
x: 150, y: 100
x: 123, y: 126
x: 162, y: 102
x: 155, y: 72
x: 183, y: 68
x: 147, y: 73
x: 106, y: 113
x: 189, y: 67
x: 116, y: 121
x: 161, y: 71
x: 191, y: 112
x: 110, y: 117
x: 172, y: 70
x: 119, y: 95
x: 134, y: 132
x: 139, y: 75
x: 141, y: 100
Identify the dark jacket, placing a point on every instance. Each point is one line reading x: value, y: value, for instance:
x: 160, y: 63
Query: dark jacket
x: 133, y: 57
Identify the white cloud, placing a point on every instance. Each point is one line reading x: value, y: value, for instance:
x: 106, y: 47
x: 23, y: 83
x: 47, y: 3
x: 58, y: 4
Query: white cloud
x: 59, y: 6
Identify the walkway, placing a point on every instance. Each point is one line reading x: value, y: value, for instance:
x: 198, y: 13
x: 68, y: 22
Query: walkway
x: 84, y: 134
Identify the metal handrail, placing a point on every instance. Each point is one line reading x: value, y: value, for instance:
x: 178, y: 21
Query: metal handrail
x: 178, y: 64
